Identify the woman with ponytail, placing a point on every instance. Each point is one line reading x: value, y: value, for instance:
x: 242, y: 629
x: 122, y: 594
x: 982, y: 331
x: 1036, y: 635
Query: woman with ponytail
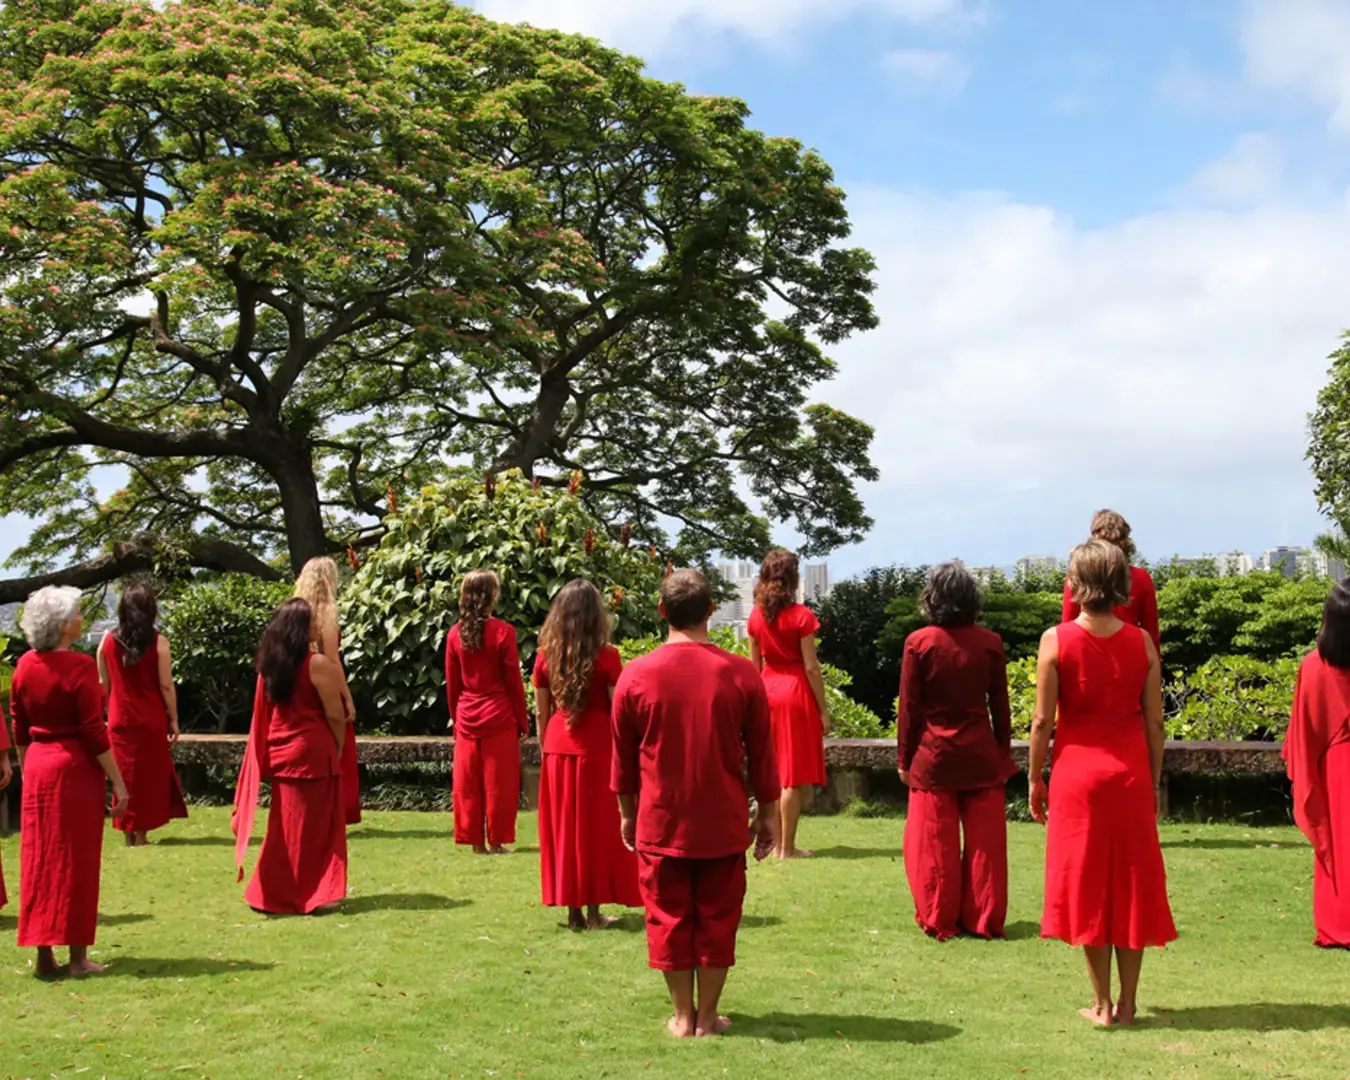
x: 488, y: 717
x: 135, y: 667
x: 583, y: 862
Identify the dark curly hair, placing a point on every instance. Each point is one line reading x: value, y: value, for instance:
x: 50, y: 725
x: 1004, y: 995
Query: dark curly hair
x: 778, y: 580
x: 951, y: 596
x: 137, y: 611
x: 284, y: 647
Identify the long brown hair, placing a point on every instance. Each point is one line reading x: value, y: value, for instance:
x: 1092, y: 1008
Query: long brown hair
x: 778, y: 580
x: 284, y: 647
x: 137, y: 611
x: 477, y: 596
x: 575, y: 632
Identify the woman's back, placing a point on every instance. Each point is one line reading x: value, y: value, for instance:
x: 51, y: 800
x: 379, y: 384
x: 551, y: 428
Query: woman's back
x: 1101, y: 688
x: 134, y: 697
x: 590, y: 732
x: 300, y: 743
x: 780, y: 640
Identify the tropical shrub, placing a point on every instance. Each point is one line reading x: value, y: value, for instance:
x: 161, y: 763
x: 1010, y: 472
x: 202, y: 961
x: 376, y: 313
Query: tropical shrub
x: 404, y: 598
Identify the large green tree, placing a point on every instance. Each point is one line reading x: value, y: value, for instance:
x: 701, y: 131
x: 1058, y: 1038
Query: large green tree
x: 1329, y: 453
x: 271, y: 260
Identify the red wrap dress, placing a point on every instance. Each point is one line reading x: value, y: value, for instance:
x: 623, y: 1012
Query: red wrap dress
x: 798, y: 736
x: 138, y: 724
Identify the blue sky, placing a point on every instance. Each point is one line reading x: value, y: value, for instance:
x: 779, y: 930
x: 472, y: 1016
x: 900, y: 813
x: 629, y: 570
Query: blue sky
x: 1114, y: 243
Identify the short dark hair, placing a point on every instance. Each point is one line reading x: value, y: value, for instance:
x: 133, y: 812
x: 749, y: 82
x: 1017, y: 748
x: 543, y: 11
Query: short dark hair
x: 686, y: 598
x: 1333, y: 642
x: 951, y: 596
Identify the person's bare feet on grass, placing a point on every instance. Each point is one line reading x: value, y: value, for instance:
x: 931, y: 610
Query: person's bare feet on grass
x: 46, y: 967
x: 1099, y: 1015
x: 78, y: 970
x: 600, y: 922
x: 717, y: 1027
x: 798, y: 853
x: 479, y: 849
x: 575, y: 919
x: 1123, y: 1015
x: 681, y: 1029
x: 498, y: 849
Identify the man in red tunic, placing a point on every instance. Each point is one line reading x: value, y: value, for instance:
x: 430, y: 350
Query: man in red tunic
x: 686, y: 719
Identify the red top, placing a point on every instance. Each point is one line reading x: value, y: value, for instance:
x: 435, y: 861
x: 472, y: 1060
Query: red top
x: 296, y: 741
x: 780, y: 643
x: 1101, y: 692
x: 955, y: 729
x: 1141, y: 611
x: 57, y: 695
x: 590, y: 733
x: 134, y: 697
x: 484, y: 687
x: 4, y: 731
x: 686, y: 719
x: 1320, y: 720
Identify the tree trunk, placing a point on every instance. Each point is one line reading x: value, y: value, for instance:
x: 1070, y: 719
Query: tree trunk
x: 306, y: 536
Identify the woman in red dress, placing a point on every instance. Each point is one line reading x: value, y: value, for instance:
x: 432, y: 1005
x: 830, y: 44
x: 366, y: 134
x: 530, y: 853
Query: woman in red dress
x: 582, y: 859
x: 1317, y: 755
x: 6, y: 775
x: 136, y: 670
x: 295, y: 742
x: 1105, y: 883
x: 65, y: 757
x: 783, y: 646
x: 488, y: 715
x: 317, y: 585
x: 954, y: 743
x: 1141, y: 607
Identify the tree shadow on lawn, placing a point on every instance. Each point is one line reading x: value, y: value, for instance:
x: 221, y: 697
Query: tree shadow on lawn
x: 1259, y: 1016
x: 857, y: 853
x: 359, y: 905
x: 790, y: 1028
x: 180, y: 967
x: 194, y: 841
x: 1219, y: 844
x: 124, y: 919
x: 362, y: 832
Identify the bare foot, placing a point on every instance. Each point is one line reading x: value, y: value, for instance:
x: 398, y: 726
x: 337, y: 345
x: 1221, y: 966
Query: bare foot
x: 576, y: 920
x: 326, y: 909
x: 718, y: 1026
x: 48, y: 971
x: 498, y: 849
x: 479, y: 849
x: 600, y: 922
x: 86, y: 967
x: 1123, y: 1015
x: 681, y: 1029
x: 798, y: 853
x: 1098, y: 1015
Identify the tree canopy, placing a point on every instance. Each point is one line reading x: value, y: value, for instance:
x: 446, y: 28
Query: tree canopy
x: 276, y: 261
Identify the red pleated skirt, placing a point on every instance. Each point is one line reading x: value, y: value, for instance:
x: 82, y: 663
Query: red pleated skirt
x: 60, y: 845
x: 582, y: 859
x: 1331, y: 896
x: 154, y: 796
x: 303, y: 862
x: 798, y: 738
x: 1105, y: 882
x: 351, y: 778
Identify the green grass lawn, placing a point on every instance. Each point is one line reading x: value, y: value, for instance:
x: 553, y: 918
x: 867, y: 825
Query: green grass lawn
x: 444, y: 964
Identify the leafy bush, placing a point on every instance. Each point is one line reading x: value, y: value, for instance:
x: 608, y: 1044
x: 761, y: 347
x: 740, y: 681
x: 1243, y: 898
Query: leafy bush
x: 1022, y: 694
x: 1264, y: 615
x: 214, y: 627
x: 399, y: 606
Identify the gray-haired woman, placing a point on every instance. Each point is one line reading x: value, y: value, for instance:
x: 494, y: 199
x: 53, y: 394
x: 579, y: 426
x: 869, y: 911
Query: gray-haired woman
x: 65, y: 755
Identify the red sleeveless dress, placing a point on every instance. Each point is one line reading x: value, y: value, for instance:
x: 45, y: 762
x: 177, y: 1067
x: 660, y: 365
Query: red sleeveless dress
x: 138, y: 725
x: 798, y: 737
x: 1105, y: 883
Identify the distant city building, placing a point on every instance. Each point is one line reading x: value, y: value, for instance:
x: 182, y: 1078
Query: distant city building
x: 985, y: 574
x: 1326, y: 566
x: 815, y: 584
x: 744, y: 576
x: 1030, y: 564
x: 1288, y: 561
x: 1234, y: 564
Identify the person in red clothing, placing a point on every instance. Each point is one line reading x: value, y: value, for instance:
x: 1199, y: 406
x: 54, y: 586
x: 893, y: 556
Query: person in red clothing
x: 1105, y: 882
x: 1317, y: 756
x: 582, y: 860
x: 6, y: 775
x: 1140, y: 608
x: 783, y: 647
x: 295, y: 741
x: 690, y: 723
x: 65, y: 757
x: 488, y: 716
x: 135, y: 667
x: 954, y: 743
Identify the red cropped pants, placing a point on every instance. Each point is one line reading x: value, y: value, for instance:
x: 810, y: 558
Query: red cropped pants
x: 486, y: 793
x: 955, y: 889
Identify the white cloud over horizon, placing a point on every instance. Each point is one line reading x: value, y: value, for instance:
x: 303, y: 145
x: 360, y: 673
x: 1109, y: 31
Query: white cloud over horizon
x: 927, y: 70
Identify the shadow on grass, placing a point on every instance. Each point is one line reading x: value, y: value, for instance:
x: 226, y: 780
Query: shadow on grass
x: 9, y: 922
x: 759, y: 922
x: 790, y: 1028
x: 1218, y: 844
x: 362, y: 832
x: 357, y: 905
x: 1022, y: 931
x: 125, y: 919
x: 1258, y: 1016
x: 179, y: 967
x: 857, y: 853
x: 194, y: 841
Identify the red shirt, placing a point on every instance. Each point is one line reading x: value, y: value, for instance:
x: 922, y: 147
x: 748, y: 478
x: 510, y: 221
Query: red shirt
x: 484, y: 687
x: 134, y: 696
x: 955, y: 729
x: 298, y: 742
x: 780, y: 643
x: 57, y: 695
x: 4, y: 731
x: 590, y: 732
x: 686, y: 719
x: 1141, y: 611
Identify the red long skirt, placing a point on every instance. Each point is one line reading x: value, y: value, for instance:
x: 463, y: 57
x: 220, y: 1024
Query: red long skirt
x: 1331, y: 896
x: 60, y: 845
x: 303, y: 862
x: 798, y: 737
x: 351, y: 778
x: 582, y: 859
x: 958, y: 891
x: 154, y: 796
x: 486, y: 793
x: 4, y: 896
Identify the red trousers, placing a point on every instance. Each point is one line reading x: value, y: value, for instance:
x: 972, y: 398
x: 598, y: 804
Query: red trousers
x: 693, y: 910
x: 486, y: 793
x: 958, y: 891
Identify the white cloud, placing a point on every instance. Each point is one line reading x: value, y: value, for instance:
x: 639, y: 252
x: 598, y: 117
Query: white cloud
x: 1251, y: 172
x: 935, y: 70
x: 1300, y: 47
x: 655, y: 25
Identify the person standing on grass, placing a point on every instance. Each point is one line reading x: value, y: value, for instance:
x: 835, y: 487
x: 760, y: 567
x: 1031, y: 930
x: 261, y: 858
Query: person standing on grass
x: 488, y: 716
x: 295, y: 741
x: 65, y: 757
x: 955, y: 750
x: 1105, y: 882
x: 783, y: 647
x: 135, y: 667
x: 317, y: 585
x: 1140, y: 608
x: 691, y: 721
x: 6, y: 775
x: 582, y: 859
x: 1317, y: 756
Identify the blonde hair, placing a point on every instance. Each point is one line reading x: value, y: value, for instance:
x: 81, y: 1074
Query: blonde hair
x: 1114, y: 529
x: 477, y: 597
x: 1099, y: 576
x: 317, y: 585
